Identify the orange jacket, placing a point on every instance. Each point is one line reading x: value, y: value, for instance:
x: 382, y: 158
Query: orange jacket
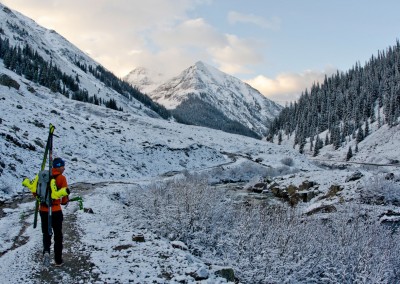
x: 61, y: 182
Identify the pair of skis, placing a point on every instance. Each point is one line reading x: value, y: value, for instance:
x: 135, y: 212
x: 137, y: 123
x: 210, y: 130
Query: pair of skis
x: 47, y: 153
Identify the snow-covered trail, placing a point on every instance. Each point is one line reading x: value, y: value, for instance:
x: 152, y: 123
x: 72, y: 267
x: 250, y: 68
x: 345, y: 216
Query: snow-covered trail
x: 21, y: 252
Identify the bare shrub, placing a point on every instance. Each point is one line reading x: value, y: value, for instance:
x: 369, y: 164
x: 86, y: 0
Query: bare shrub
x: 272, y: 244
x: 378, y: 190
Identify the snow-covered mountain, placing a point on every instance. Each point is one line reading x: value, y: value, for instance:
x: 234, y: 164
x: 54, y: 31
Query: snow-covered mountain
x: 22, y: 31
x: 203, y: 95
x: 144, y: 79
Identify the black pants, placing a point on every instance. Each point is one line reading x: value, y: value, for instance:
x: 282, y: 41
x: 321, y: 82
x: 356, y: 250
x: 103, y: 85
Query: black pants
x: 57, y: 219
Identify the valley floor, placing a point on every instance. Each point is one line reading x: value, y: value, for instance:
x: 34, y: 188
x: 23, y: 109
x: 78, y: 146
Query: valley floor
x: 262, y: 242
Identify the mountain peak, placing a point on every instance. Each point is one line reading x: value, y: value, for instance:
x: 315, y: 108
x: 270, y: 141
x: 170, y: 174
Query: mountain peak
x: 144, y: 79
x: 226, y: 97
x: 206, y: 68
x: 201, y: 64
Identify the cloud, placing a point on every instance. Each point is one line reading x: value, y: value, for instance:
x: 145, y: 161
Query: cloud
x: 107, y: 30
x: 236, y: 17
x: 287, y: 87
x: 194, y: 39
x: 189, y: 33
x: 157, y: 34
x: 235, y: 54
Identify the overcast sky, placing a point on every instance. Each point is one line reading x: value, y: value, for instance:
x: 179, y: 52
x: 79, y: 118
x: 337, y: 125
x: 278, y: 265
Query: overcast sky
x: 279, y: 47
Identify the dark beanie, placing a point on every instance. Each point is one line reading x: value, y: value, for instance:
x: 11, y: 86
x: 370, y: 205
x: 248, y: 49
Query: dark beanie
x: 58, y: 162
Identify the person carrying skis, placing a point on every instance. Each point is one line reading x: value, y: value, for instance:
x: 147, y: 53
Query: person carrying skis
x: 57, y: 215
x: 59, y: 196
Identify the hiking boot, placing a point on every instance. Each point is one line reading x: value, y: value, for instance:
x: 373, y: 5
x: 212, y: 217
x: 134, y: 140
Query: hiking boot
x: 46, y: 259
x: 59, y: 264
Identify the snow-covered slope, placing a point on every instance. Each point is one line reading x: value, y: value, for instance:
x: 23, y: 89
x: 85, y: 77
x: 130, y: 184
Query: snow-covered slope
x: 208, y: 87
x: 52, y: 47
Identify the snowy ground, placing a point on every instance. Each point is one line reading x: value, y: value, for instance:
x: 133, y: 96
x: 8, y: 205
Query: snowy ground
x: 100, y: 247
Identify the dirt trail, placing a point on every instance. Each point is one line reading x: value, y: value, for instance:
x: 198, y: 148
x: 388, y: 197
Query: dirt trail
x: 77, y: 266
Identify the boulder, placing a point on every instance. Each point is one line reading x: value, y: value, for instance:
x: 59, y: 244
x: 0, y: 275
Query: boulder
x: 279, y: 192
x: 179, y: 245
x: 201, y: 274
x: 138, y: 238
x: 322, y: 209
x: 259, y: 187
x: 307, y: 185
x: 355, y: 176
x: 226, y: 273
x: 306, y: 196
x: 333, y: 190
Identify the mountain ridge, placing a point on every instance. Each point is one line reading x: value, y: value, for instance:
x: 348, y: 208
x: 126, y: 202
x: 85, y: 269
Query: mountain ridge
x: 91, y: 81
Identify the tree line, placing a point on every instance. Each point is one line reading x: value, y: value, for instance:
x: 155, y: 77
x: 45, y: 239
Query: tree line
x: 345, y: 104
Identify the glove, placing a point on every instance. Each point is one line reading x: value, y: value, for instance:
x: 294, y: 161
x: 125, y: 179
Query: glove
x: 58, y: 193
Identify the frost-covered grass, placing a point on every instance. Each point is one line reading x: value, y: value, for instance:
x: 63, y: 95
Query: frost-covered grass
x: 271, y: 244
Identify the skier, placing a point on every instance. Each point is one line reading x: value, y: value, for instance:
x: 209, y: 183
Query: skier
x: 57, y: 216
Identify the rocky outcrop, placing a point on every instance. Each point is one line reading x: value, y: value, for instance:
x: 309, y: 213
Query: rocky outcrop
x: 306, y: 191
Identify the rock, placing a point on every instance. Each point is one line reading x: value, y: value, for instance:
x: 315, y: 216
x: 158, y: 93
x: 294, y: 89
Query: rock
x: 259, y: 187
x: 306, y: 196
x: 138, y: 238
x: 201, y: 274
x: 226, y: 273
x: 333, y: 190
x: 322, y: 209
x: 279, y: 192
x: 88, y: 210
x: 355, y: 176
x: 307, y: 185
x: 179, y: 245
x: 273, y: 185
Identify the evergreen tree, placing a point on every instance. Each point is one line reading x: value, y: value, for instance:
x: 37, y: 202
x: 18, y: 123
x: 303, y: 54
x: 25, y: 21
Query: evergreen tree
x: 327, y: 141
x: 360, y: 135
x: 349, y: 154
x: 366, y: 131
x: 318, y: 145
